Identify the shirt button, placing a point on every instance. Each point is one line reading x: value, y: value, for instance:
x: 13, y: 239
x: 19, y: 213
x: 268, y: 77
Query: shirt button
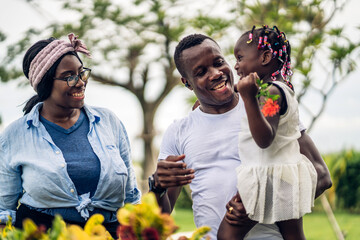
x: 57, y: 152
x: 72, y: 190
x: 63, y: 165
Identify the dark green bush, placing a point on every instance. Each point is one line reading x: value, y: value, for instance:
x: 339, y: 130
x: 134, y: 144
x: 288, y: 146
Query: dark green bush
x: 184, y: 201
x: 345, y: 173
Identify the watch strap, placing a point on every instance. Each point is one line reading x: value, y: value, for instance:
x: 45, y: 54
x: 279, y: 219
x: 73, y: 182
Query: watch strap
x: 154, y: 189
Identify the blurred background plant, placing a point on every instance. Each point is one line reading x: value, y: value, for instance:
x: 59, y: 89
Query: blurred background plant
x: 143, y: 221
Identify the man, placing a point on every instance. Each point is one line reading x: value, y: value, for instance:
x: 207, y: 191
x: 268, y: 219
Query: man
x: 202, y: 149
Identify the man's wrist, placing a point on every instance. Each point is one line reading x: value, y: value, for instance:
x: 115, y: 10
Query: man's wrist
x: 156, y: 189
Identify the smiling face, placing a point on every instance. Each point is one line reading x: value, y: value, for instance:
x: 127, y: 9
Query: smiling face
x: 248, y: 58
x: 209, y: 76
x: 62, y: 96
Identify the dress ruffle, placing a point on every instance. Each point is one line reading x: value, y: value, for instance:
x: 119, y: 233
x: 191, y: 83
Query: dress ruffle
x: 277, y: 192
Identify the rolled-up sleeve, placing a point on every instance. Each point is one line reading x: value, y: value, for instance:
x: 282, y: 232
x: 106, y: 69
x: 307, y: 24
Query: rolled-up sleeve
x: 10, y: 184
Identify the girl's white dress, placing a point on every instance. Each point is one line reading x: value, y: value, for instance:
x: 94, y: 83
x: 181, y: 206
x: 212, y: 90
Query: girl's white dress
x: 277, y: 183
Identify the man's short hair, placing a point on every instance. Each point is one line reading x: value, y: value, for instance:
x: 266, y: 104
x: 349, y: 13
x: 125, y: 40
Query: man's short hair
x: 187, y: 42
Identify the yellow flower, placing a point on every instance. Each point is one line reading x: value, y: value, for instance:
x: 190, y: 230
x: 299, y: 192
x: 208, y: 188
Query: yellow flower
x: 200, y: 232
x: 123, y: 215
x: 94, y: 228
x: 7, y: 229
x: 94, y: 220
x: 77, y: 233
x: 58, y: 230
x: 150, y: 201
x: 146, y: 215
x: 169, y: 226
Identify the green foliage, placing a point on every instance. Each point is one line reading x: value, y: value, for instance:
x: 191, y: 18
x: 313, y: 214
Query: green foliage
x: 184, y: 201
x: 344, y: 168
x: 264, y: 90
x: 6, y: 74
x: 184, y: 218
x: 316, y: 224
x: 211, y: 26
x: 2, y: 36
x: 9, y: 71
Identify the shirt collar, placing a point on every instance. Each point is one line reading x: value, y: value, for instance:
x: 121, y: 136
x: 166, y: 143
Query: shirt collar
x: 92, y: 114
x: 32, y: 117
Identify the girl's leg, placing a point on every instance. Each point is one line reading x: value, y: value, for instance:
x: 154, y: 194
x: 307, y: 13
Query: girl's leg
x: 292, y: 229
x: 227, y: 231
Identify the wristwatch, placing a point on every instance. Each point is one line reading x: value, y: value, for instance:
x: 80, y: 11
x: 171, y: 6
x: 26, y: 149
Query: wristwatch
x: 152, y: 188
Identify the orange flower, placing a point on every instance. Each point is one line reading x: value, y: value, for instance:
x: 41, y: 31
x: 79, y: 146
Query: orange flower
x: 270, y: 108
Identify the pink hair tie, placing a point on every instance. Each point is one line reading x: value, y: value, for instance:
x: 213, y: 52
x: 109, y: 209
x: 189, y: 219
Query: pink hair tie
x: 50, y: 54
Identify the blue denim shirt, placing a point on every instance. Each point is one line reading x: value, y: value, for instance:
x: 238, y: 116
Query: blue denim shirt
x: 33, y: 169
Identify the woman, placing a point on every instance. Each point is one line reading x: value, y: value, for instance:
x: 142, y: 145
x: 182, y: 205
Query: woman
x: 63, y: 157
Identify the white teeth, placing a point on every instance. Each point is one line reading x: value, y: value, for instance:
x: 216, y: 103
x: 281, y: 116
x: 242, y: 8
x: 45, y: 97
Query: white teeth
x: 78, y: 94
x: 222, y: 84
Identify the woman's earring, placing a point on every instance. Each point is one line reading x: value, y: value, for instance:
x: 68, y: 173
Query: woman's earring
x: 187, y: 84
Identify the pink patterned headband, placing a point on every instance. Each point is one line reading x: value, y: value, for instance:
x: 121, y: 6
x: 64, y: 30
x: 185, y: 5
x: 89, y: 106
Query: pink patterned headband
x: 50, y: 54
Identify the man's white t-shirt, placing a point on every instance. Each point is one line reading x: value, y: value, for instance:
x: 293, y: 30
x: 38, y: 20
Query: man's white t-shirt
x: 210, y: 145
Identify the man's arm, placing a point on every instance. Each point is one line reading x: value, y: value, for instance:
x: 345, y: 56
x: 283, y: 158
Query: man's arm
x: 171, y: 174
x: 308, y: 148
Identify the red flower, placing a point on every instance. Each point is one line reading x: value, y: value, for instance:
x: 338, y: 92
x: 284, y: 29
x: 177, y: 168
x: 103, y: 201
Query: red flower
x: 150, y: 234
x: 126, y: 233
x: 270, y: 108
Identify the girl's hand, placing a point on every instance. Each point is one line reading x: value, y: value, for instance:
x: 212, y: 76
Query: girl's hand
x: 247, y: 86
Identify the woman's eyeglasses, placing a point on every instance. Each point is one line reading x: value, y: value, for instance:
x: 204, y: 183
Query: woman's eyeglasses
x: 73, y: 79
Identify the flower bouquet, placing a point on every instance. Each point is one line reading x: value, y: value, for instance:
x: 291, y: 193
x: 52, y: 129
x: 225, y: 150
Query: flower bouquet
x: 146, y: 222
x: 143, y: 221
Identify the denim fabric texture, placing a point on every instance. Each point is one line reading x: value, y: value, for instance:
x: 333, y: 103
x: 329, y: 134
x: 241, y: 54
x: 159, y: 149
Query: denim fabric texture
x: 33, y: 169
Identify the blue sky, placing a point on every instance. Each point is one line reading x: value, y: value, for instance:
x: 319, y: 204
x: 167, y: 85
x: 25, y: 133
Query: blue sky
x: 337, y: 128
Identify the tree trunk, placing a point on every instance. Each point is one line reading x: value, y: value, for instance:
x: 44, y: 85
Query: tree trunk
x: 148, y: 165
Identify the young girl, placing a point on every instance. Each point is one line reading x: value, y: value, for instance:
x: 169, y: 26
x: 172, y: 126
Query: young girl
x: 276, y: 183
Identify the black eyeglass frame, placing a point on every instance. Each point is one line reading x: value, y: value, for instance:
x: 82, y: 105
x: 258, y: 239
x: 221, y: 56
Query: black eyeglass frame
x: 76, y: 77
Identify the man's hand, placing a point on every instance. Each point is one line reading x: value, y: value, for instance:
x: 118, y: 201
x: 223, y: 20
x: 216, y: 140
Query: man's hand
x: 236, y: 223
x: 172, y: 172
x: 236, y: 213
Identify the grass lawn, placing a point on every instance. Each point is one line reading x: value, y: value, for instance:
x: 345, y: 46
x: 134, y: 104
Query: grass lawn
x: 184, y: 219
x: 316, y: 224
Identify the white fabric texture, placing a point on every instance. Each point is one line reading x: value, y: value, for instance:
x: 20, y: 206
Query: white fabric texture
x: 276, y: 183
x: 210, y: 143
